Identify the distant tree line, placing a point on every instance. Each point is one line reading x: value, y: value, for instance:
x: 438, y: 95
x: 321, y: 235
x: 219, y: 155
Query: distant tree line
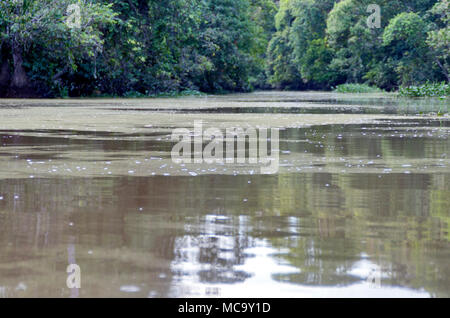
x: 323, y: 43
x: 146, y: 47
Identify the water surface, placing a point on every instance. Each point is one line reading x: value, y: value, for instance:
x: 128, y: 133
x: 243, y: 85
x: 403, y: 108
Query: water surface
x: 363, y: 191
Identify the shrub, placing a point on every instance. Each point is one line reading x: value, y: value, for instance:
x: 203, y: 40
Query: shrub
x: 427, y: 90
x: 357, y: 88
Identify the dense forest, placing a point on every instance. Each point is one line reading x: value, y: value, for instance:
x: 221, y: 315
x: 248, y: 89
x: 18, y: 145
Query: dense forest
x: 147, y: 47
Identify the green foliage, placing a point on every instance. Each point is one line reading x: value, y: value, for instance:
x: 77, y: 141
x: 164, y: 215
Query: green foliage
x: 177, y: 45
x: 320, y: 44
x: 298, y: 55
x: 315, y: 63
x: 357, y: 88
x: 281, y: 70
x: 405, y: 38
x: 427, y: 90
x: 36, y: 37
x: 153, y: 47
x: 141, y: 46
x: 439, y: 39
x: 352, y: 42
x: 408, y: 28
x: 262, y: 15
x: 196, y: 45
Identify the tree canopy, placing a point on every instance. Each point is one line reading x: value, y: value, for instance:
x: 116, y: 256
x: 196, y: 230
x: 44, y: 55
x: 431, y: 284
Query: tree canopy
x: 145, y: 47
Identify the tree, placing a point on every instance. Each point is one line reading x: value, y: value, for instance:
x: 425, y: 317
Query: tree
x: 299, y: 23
x: 352, y: 41
x: 360, y: 53
x: 173, y: 45
x: 280, y: 66
x: 310, y: 50
x: 262, y: 15
x: 281, y: 70
x: 145, y: 47
x: 315, y: 64
x: 439, y: 39
x: 405, y: 36
x: 30, y: 24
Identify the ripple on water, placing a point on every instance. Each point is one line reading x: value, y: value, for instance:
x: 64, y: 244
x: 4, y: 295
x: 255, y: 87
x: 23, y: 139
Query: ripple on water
x: 130, y: 289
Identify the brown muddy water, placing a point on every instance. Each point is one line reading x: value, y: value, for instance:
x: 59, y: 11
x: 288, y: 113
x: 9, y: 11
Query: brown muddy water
x: 360, y: 205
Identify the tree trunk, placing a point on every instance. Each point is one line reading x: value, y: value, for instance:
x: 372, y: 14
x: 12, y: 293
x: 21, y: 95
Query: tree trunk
x: 444, y: 70
x: 19, y: 79
x: 4, y: 73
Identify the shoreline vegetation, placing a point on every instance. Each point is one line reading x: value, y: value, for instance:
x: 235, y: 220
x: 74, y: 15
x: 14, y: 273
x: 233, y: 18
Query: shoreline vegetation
x: 438, y: 90
x: 433, y: 90
x: 170, y: 48
x: 357, y: 88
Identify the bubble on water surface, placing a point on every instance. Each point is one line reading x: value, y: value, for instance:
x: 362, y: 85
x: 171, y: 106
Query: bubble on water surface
x: 130, y: 289
x: 21, y: 287
x: 152, y: 294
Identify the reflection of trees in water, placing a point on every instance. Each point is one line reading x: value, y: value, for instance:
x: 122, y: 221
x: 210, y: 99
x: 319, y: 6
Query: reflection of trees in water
x: 323, y: 253
x: 113, y: 246
x: 326, y: 221
x: 217, y: 244
x: 399, y: 220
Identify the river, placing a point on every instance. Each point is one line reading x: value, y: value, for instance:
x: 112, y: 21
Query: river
x: 359, y: 205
